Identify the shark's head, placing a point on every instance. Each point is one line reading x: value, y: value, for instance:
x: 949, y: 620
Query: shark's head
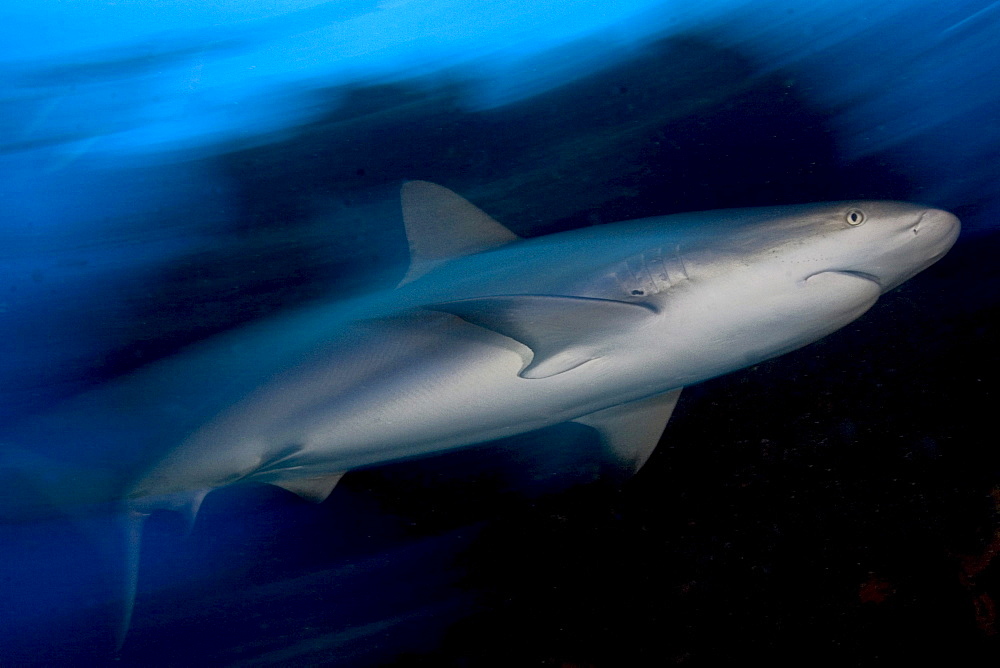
x: 883, y: 242
x: 878, y: 243
x: 735, y: 287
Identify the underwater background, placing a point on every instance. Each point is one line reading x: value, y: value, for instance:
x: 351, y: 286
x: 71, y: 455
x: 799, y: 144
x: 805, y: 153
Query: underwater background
x: 171, y: 170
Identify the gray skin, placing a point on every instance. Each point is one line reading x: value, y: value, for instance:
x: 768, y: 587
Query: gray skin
x: 489, y: 336
x: 533, y: 333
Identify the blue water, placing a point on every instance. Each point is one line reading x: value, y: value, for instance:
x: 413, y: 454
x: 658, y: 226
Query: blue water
x: 170, y: 170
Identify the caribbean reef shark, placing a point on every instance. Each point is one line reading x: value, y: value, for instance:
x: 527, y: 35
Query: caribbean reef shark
x: 487, y: 336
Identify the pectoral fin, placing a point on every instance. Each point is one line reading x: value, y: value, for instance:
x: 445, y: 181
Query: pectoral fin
x: 562, y: 332
x: 631, y: 431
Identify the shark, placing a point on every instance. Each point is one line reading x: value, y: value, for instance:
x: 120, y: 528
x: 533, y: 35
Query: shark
x: 487, y: 335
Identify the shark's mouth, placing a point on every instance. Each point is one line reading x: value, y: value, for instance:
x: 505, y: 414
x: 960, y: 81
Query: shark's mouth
x: 850, y: 272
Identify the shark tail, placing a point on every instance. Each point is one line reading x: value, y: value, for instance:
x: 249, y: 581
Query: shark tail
x: 131, y: 524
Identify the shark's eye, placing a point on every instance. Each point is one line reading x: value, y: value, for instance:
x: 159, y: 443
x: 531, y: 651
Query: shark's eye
x: 855, y: 216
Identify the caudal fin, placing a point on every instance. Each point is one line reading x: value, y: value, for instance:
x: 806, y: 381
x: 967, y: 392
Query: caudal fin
x: 130, y: 531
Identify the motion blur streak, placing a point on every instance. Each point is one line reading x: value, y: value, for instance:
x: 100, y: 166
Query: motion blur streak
x: 172, y: 170
x: 101, y: 94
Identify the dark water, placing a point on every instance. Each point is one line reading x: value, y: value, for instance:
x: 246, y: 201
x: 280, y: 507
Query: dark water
x: 838, y: 505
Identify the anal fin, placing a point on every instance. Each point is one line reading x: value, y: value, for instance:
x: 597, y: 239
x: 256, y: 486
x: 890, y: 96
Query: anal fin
x: 631, y: 431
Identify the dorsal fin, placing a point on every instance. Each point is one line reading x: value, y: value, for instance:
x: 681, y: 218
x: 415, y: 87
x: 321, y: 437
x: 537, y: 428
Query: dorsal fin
x: 441, y: 225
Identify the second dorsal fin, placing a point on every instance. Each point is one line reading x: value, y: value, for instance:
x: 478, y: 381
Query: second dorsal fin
x: 441, y: 225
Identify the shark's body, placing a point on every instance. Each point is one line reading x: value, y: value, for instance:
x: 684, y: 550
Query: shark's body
x: 490, y: 336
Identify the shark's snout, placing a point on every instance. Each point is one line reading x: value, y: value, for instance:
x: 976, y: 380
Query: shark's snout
x: 935, y: 232
x: 917, y: 246
x: 933, y: 223
x: 943, y: 225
